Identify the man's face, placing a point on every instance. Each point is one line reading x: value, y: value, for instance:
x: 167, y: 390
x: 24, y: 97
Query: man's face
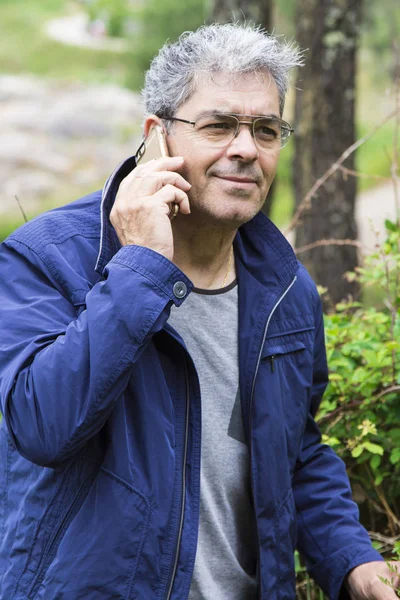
x: 230, y: 183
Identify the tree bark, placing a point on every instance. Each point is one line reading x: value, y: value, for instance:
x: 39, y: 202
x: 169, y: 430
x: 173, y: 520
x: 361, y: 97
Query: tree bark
x: 324, y: 123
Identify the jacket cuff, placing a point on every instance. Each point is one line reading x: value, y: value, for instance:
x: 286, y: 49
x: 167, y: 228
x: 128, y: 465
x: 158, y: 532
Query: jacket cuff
x: 331, y: 572
x: 158, y: 269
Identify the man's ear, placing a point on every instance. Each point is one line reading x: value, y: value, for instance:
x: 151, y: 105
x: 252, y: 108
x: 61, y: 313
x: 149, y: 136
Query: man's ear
x: 150, y: 122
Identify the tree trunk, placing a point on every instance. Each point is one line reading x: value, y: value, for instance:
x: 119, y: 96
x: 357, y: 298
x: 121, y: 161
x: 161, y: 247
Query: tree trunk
x: 324, y: 122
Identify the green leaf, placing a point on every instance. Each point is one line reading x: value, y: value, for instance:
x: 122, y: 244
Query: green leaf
x: 375, y: 461
x: 357, y: 451
x: 395, y: 456
x: 335, y: 377
x: 391, y: 226
x: 373, y: 448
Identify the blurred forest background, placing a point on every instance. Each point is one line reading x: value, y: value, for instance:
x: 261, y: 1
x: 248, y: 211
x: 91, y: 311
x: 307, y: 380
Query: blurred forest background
x: 70, y: 108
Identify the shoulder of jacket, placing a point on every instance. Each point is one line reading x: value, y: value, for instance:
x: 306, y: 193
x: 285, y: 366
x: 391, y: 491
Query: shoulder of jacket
x: 306, y: 281
x: 306, y: 290
x: 54, y: 227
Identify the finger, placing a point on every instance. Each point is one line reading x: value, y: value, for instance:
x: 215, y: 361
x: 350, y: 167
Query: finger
x: 153, y: 174
x: 171, y: 194
x: 170, y: 177
x: 166, y: 163
x: 381, y: 590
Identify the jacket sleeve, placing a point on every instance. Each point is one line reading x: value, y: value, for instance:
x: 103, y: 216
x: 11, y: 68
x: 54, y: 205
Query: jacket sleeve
x: 61, y: 374
x: 330, y: 536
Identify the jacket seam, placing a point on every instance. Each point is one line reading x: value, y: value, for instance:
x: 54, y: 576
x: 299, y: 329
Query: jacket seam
x: 38, y: 527
x: 144, y: 529
x: 129, y: 487
x: 14, y: 238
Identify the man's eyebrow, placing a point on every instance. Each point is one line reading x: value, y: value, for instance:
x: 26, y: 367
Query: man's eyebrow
x: 222, y: 113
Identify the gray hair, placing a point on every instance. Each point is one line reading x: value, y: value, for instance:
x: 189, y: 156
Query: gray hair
x: 230, y: 48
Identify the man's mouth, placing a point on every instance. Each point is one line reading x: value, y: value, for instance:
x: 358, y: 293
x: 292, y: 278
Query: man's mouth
x: 238, y: 180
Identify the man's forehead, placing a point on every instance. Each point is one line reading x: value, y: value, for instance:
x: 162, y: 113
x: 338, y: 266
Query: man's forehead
x: 235, y: 92
x: 222, y: 80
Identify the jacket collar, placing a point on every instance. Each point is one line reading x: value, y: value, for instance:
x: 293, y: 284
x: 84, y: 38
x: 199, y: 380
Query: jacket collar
x: 109, y: 242
x: 260, y: 247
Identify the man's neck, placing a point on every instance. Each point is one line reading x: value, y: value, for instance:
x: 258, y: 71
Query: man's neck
x: 205, y: 255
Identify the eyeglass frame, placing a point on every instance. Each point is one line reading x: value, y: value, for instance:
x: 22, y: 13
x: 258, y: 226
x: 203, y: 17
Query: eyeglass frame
x: 283, y: 124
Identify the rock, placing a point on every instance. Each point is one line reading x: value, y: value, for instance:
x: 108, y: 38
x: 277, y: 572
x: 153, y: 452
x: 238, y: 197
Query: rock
x: 17, y: 87
x: 57, y: 136
x: 30, y: 185
x: 26, y: 149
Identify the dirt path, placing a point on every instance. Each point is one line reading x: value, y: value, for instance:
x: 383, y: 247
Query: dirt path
x: 73, y: 31
x: 373, y: 207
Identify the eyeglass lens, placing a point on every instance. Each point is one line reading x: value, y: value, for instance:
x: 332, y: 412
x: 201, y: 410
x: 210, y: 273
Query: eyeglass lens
x: 221, y: 129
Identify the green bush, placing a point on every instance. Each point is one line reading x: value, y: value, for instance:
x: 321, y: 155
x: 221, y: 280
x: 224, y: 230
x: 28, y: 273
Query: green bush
x: 360, y: 412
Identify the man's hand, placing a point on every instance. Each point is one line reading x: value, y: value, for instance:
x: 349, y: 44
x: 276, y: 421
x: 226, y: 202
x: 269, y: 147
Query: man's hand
x: 143, y: 202
x: 363, y: 582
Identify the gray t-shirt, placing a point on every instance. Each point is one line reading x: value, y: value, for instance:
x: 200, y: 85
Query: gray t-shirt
x: 226, y: 558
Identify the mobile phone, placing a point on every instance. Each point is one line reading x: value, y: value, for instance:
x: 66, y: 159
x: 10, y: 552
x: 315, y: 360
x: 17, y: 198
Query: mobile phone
x: 153, y: 146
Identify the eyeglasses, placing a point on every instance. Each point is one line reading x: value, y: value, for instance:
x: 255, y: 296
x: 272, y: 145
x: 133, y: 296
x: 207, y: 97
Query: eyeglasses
x: 220, y: 129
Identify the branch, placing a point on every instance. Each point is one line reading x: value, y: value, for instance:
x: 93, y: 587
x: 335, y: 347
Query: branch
x: 306, y: 202
x: 347, y: 407
x: 388, y: 542
x: 379, y: 537
x: 347, y: 171
x: 394, y: 388
x: 331, y: 242
x: 341, y: 409
x: 392, y: 519
x: 21, y: 209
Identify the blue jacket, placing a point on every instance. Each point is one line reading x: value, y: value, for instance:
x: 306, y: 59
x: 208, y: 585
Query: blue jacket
x: 101, y: 432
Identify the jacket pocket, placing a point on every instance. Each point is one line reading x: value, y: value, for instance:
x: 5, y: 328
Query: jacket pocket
x: 286, y: 371
x: 271, y: 353
x: 71, y: 485
x: 285, y: 535
x: 100, y: 551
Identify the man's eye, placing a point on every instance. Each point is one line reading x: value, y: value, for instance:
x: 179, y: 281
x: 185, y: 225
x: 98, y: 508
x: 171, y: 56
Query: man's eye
x: 267, y: 132
x: 218, y: 126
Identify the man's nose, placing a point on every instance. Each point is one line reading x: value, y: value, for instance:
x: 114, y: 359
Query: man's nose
x: 243, y: 145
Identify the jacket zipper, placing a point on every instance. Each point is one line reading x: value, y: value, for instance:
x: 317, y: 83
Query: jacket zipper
x: 183, y: 500
x: 272, y: 363
x: 250, y: 411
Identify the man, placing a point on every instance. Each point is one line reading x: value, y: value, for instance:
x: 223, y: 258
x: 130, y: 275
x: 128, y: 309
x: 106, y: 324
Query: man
x: 160, y: 375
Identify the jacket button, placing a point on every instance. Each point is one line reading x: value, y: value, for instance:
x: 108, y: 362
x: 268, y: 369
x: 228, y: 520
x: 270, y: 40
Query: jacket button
x: 179, y: 289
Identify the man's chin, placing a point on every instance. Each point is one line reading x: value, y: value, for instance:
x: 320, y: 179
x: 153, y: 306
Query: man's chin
x: 234, y: 214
